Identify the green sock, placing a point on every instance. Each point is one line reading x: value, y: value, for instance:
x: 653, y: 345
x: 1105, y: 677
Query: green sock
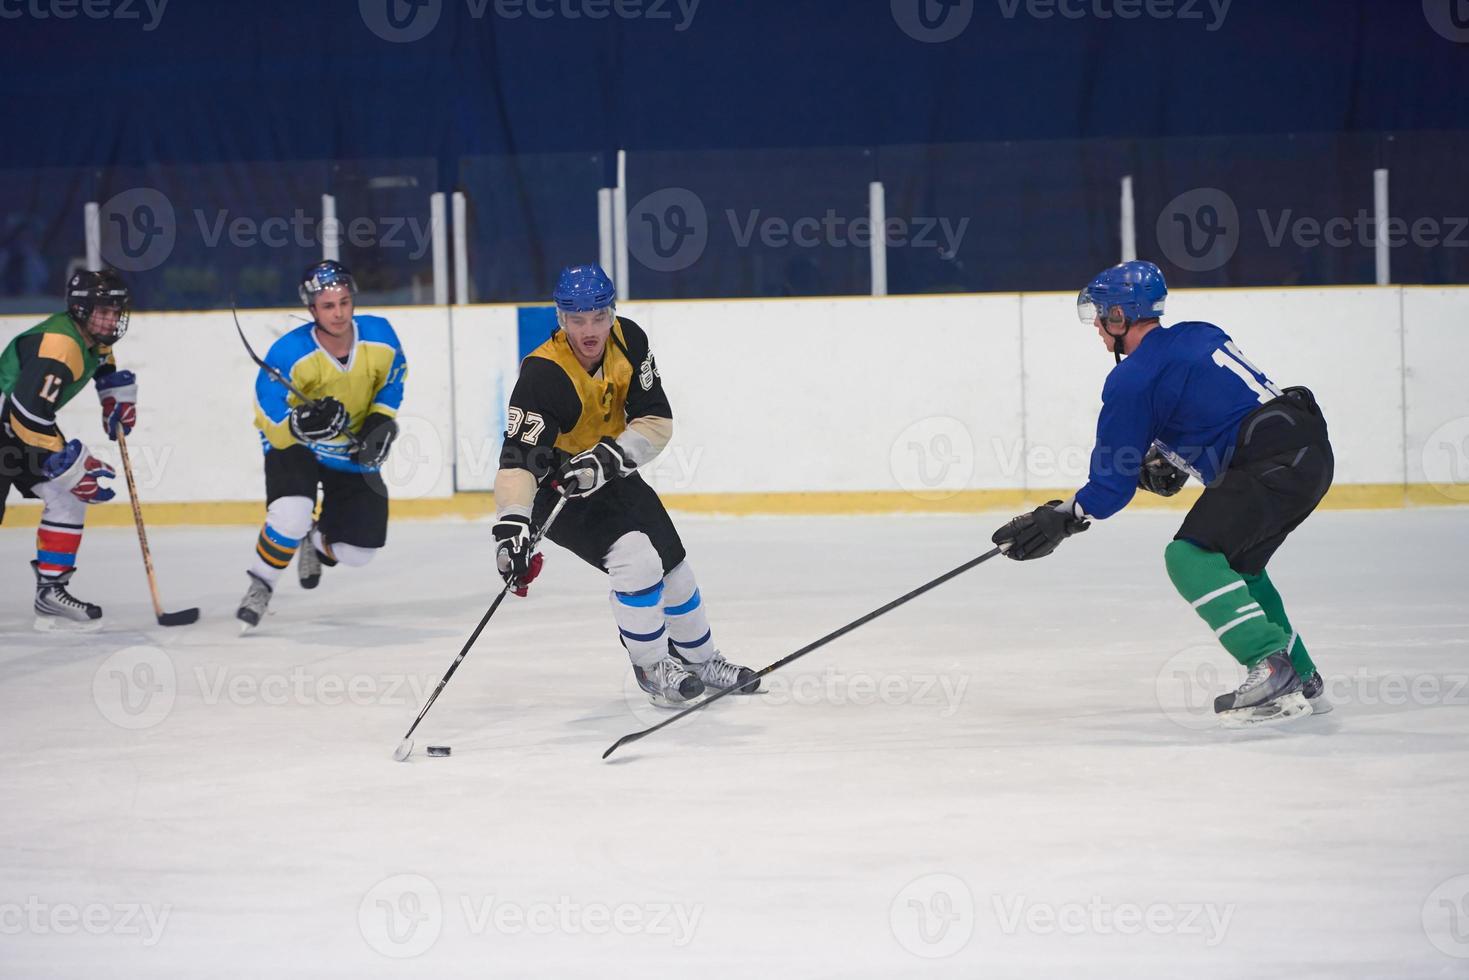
x: 1263, y: 591
x: 1222, y: 597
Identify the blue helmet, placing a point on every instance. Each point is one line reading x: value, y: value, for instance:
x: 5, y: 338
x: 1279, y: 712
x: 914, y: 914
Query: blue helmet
x: 1136, y: 288
x: 583, y: 289
x: 325, y: 275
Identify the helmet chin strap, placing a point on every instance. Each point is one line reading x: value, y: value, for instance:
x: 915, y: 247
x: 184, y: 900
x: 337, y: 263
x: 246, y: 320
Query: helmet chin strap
x: 1118, y: 338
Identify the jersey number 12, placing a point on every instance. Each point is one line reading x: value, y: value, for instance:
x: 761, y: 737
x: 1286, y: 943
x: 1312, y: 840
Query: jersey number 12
x: 1246, y: 371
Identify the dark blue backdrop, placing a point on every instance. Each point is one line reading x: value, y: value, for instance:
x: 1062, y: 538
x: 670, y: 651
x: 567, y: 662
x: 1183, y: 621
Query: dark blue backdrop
x: 259, y: 107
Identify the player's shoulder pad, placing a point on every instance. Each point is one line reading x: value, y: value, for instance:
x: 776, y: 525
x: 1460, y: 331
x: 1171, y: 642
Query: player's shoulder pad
x: 292, y: 346
x: 634, y: 335
x: 375, y: 330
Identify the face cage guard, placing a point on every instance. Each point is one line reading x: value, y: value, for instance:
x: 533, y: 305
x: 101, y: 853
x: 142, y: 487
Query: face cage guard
x: 81, y: 314
x: 314, y: 287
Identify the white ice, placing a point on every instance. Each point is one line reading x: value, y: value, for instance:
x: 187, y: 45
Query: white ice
x: 1015, y: 775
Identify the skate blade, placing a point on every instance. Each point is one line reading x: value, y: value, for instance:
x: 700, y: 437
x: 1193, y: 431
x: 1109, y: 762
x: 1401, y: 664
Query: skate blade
x: 1276, y: 712
x: 1320, y: 706
x: 59, y: 624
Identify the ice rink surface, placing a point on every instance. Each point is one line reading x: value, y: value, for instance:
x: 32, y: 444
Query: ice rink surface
x: 1013, y: 776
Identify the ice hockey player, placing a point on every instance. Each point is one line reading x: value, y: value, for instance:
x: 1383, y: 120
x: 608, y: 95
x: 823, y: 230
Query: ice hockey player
x: 351, y: 368
x: 587, y: 410
x: 40, y: 371
x: 1186, y: 402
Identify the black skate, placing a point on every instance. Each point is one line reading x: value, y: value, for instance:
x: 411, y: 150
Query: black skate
x: 309, y: 562
x: 1271, y: 693
x: 716, y: 673
x: 1314, y: 688
x: 57, y: 610
x: 668, y: 684
x: 252, y: 606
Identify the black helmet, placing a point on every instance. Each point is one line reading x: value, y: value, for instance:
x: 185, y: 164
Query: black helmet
x: 88, y: 290
x: 326, y: 275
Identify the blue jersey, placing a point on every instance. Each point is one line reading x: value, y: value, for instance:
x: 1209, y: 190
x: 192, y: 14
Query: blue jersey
x: 1185, y: 390
x: 371, y: 381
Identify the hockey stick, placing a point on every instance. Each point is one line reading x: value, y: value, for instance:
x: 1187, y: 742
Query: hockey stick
x: 184, y: 616
x: 628, y: 739
x: 276, y: 374
x: 405, y: 747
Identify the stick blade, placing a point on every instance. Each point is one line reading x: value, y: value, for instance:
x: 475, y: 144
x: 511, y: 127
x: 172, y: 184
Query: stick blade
x: 403, y: 751
x: 626, y: 739
x: 181, y: 618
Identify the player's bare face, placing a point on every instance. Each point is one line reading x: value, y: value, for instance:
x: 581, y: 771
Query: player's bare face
x: 333, y: 312
x: 587, y: 334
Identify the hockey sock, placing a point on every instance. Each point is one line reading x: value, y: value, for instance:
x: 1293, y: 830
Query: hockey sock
x: 636, y: 572
x: 59, y: 535
x: 348, y: 554
x: 683, y: 612
x: 1263, y: 591
x: 287, y: 520
x: 1222, y: 598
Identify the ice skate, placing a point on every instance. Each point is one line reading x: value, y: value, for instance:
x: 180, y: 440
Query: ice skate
x: 252, y: 606
x: 716, y: 674
x: 1270, y: 694
x: 308, y: 562
x: 1314, y: 688
x: 668, y: 684
x: 57, y: 610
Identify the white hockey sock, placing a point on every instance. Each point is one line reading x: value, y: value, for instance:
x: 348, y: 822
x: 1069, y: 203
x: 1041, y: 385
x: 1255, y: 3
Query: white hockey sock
x: 349, y: 554
x: 287, y: 520
x: 683, y: 612
x: 636, y: 572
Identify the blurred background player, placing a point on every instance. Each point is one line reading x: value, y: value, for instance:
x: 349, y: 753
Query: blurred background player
x: 588, y: 409
x: 352, y: 368
x: 1186, y: 402
x: 40, y: 371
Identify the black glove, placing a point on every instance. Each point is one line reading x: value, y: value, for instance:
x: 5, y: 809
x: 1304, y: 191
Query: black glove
x: 375, y: 438
x: 513, y: 557
x: 319, y: 421
x: 586, y: 473
x: 1036, y: 534
x: 1160, y: 476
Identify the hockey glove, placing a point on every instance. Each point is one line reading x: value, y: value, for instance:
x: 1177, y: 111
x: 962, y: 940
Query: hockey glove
x: 376, y: 437
x: 1160, y: 476
x: 1037, y: 534
x: 586, y: 473
x: 74, y: 468
x: 318, y: 421
x: 513, y: 557
x: 118, y: 391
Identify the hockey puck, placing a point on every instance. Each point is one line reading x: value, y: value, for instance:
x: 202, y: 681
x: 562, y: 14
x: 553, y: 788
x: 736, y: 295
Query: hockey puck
x: 438, y: 750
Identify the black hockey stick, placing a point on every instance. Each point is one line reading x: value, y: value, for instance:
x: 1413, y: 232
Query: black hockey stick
x: 627, y: 739
x: 276, y: 374
x: 184, y: 616
x: 405, y: 747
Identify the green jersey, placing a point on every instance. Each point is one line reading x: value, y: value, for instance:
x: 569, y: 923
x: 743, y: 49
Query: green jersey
x: 41, y: 370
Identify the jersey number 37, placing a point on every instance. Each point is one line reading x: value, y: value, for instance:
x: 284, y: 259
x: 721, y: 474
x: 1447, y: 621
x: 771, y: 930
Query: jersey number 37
x: 1229, y: 357
x: 532, y: 421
